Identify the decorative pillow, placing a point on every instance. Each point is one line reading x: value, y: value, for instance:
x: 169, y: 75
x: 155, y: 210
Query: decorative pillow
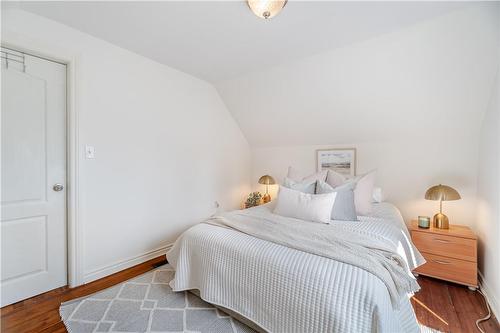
x: 363, y: 193
x: 343, y: 208
x: 378, y: 195
x: 304, y: 186
x: 305, y: 206
x: 335, y: 179
x: 295, y: 175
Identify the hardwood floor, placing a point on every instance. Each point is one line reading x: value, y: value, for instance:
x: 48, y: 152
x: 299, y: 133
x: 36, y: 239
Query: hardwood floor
x: 41, y: 313
x: 444, y: 306
x: 450, y: 307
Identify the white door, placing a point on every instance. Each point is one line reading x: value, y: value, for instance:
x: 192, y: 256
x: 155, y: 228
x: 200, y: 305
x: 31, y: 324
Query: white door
x: 33, y: 216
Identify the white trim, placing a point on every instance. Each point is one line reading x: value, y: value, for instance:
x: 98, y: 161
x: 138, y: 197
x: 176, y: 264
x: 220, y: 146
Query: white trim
x: 124, y: 264
x: 490, y: 296
x: 74, y: 231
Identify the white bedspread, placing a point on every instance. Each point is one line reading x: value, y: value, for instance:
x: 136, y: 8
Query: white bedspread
x: 287, y: 290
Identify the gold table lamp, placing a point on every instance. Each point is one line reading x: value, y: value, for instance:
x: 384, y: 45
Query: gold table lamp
x: 266, y: 180
x: 441, y: 193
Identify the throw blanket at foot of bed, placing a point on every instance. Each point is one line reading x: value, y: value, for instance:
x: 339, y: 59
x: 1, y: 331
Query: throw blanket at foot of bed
x: 284, y: 287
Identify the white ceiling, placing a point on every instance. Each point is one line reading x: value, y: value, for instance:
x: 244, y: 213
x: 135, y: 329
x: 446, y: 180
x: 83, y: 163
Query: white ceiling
x: 217, y: 41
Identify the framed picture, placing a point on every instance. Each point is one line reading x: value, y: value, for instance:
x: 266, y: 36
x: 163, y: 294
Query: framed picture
x: 341, y: 160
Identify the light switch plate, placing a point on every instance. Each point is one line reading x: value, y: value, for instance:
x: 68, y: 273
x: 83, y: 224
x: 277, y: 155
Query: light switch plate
x: 89, y: 152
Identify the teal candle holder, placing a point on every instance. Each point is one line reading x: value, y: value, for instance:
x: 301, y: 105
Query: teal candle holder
x: 424, y: 222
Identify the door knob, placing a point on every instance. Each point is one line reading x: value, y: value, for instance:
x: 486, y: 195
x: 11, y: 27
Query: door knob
x: 58, y: 187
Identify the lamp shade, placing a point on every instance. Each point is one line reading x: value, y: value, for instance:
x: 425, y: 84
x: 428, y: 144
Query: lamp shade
x: 442, y: 192
x: 267, y: 180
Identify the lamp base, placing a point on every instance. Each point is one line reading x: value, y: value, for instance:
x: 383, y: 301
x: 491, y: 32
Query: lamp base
x: 441, y: 221
x: 266, y: 198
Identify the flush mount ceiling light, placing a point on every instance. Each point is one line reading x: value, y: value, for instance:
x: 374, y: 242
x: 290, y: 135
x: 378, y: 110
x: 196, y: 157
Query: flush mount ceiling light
x: 266, y: 9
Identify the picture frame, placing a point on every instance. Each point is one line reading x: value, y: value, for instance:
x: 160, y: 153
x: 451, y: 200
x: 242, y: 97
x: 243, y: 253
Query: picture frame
x: 341, y: 160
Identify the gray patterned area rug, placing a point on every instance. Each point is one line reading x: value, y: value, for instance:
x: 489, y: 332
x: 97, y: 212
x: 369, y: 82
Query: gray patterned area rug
x: 148, y: 304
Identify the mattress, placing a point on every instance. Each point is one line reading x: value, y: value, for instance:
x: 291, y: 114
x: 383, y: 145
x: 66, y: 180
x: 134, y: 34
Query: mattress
x: 286, y: 290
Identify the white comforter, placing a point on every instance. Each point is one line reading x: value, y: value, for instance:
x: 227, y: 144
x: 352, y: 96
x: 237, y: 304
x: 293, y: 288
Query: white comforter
x: 286, y: 290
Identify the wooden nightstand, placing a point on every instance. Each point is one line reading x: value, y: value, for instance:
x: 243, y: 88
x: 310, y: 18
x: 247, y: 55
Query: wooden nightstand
x: 451, y: 254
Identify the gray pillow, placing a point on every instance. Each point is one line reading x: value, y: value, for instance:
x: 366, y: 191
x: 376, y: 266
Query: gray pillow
x: 344, y: 208
x: 304, y: 186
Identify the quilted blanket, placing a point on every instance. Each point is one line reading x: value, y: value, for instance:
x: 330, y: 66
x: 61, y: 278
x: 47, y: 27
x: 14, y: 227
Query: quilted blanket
x: 284, y: 289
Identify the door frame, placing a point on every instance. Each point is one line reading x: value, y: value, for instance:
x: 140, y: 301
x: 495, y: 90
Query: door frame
x: 74, y: 232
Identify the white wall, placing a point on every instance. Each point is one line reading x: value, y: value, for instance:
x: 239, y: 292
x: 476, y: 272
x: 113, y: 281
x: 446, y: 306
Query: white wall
x: 166, y: 146
x: 410, y: 101
x: 488, y: 197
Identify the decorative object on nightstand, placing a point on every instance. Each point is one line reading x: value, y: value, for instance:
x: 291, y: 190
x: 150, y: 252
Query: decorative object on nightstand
x: 254, y: 199
x: 451, y: 254
x: 424, y: 222
x: 267, y: 180
x: 441, y: 193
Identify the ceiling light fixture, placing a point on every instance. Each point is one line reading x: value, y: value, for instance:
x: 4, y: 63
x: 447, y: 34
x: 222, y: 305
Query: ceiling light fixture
x: 266, y: 9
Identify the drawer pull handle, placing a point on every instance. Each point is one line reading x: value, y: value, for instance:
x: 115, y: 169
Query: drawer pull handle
x: 441, y: 240
x: 441, y: 262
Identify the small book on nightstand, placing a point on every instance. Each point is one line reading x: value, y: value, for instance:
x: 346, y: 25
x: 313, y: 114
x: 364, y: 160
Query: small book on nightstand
x: 451, y: 254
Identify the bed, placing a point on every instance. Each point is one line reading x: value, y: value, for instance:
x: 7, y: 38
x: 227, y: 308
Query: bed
x: 282, y: 289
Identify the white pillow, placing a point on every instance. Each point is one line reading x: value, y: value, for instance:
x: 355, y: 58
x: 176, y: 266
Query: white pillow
x: 335, y: 179
x: 295, y: 175
x: 363, y: 193
x: 305, y: 206
x: 305, y: 186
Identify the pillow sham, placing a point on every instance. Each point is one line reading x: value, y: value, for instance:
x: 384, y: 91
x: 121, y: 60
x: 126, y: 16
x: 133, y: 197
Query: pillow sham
x: 295, y: 175
x: 305, y: 206
x: 344, y: 208
x: 363, y: 190
x: 304, y: 186
x: 335, y: 179
x: 363, y: 193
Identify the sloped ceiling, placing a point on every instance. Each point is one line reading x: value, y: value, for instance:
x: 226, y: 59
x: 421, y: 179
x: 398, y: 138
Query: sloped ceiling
x: 430, y: 80
x: 320, y: 72
x: 219, y: 40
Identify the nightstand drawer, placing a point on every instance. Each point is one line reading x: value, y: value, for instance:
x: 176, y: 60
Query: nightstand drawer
x: 449, y: 246
x: 455, y: 270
